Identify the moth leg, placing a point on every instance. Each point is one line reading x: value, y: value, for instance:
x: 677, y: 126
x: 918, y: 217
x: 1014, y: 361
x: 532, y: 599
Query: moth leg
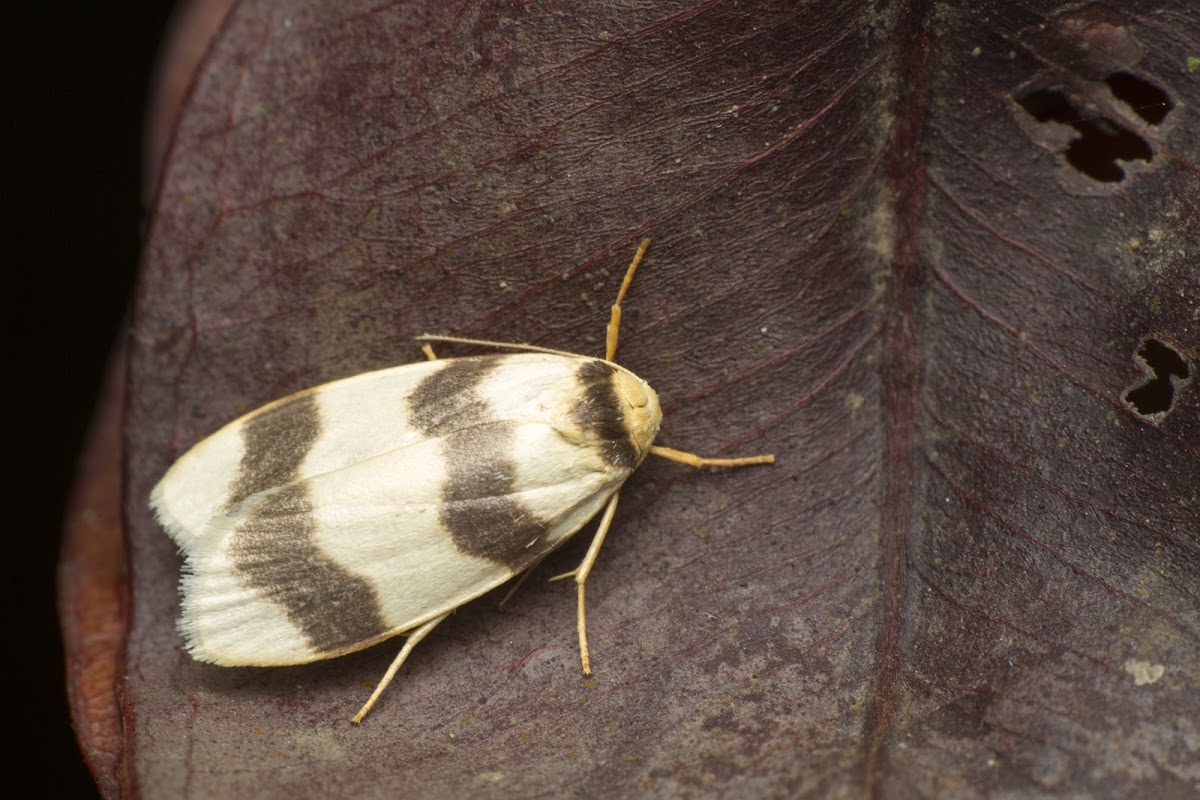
x: 521, y: 580
x: 413, y: 639
x: 614, y: 322
x: 699, y: 461
x: 427, y: 349
x: 580, y: 574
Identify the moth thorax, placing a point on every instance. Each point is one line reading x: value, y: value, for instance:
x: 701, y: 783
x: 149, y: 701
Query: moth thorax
x: 643, y: 416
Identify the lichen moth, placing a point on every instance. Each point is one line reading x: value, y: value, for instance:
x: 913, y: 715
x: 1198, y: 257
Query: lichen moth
x: 374, y: 506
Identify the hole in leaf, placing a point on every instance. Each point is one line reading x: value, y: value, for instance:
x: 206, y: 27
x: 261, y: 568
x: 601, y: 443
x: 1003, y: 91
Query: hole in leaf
x: 1147, y: 100
x: 1100, y: 143
x: 1169, y: 373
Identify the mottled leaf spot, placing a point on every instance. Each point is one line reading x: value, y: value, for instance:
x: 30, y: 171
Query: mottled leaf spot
x: 1169, y: 372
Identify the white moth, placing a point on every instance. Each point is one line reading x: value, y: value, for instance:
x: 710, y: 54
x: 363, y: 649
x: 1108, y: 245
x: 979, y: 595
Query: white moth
x: 349, y: 513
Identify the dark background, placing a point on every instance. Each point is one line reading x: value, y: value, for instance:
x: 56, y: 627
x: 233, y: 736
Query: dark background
x: 76, y: 82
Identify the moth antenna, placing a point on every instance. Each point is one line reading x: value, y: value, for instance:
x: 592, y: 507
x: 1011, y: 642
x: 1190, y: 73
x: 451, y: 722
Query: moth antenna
x: 532, y: 348
x: 694, y: 460
x: 614, y: 322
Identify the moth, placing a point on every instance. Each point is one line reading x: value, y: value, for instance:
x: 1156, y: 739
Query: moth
x: 374, y: 506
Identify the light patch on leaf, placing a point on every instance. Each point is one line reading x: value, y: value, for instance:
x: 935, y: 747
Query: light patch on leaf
x: 1143, y: 672
x: 318, y: 745
x: 490, y: 778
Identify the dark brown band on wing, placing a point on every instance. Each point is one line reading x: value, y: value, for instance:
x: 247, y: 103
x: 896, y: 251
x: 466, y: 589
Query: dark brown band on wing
x: 276, y: 554
x: 479, y: 508
x: 275, y: 443
x: 274, y: 549
x: 447, y: 399
x: 602, y: 411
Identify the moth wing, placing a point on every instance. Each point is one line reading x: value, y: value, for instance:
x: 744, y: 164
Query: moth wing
x: 334, y: 563
x: 305, y: 434
x: 338, y: 424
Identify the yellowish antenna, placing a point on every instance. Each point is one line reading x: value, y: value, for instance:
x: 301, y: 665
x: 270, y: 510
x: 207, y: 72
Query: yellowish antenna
x: 614, y: 321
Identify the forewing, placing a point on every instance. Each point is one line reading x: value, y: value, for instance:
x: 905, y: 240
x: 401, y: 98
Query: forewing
x: 333, y: 563
x: 342, y: 423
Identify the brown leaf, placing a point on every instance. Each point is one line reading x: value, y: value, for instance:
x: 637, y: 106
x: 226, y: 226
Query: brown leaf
x: 924, y: 254
x: 93, y: 591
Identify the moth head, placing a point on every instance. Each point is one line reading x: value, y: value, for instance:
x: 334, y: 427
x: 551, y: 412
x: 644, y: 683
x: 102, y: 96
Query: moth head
x: 614, y: 411
x: 643, y: 416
